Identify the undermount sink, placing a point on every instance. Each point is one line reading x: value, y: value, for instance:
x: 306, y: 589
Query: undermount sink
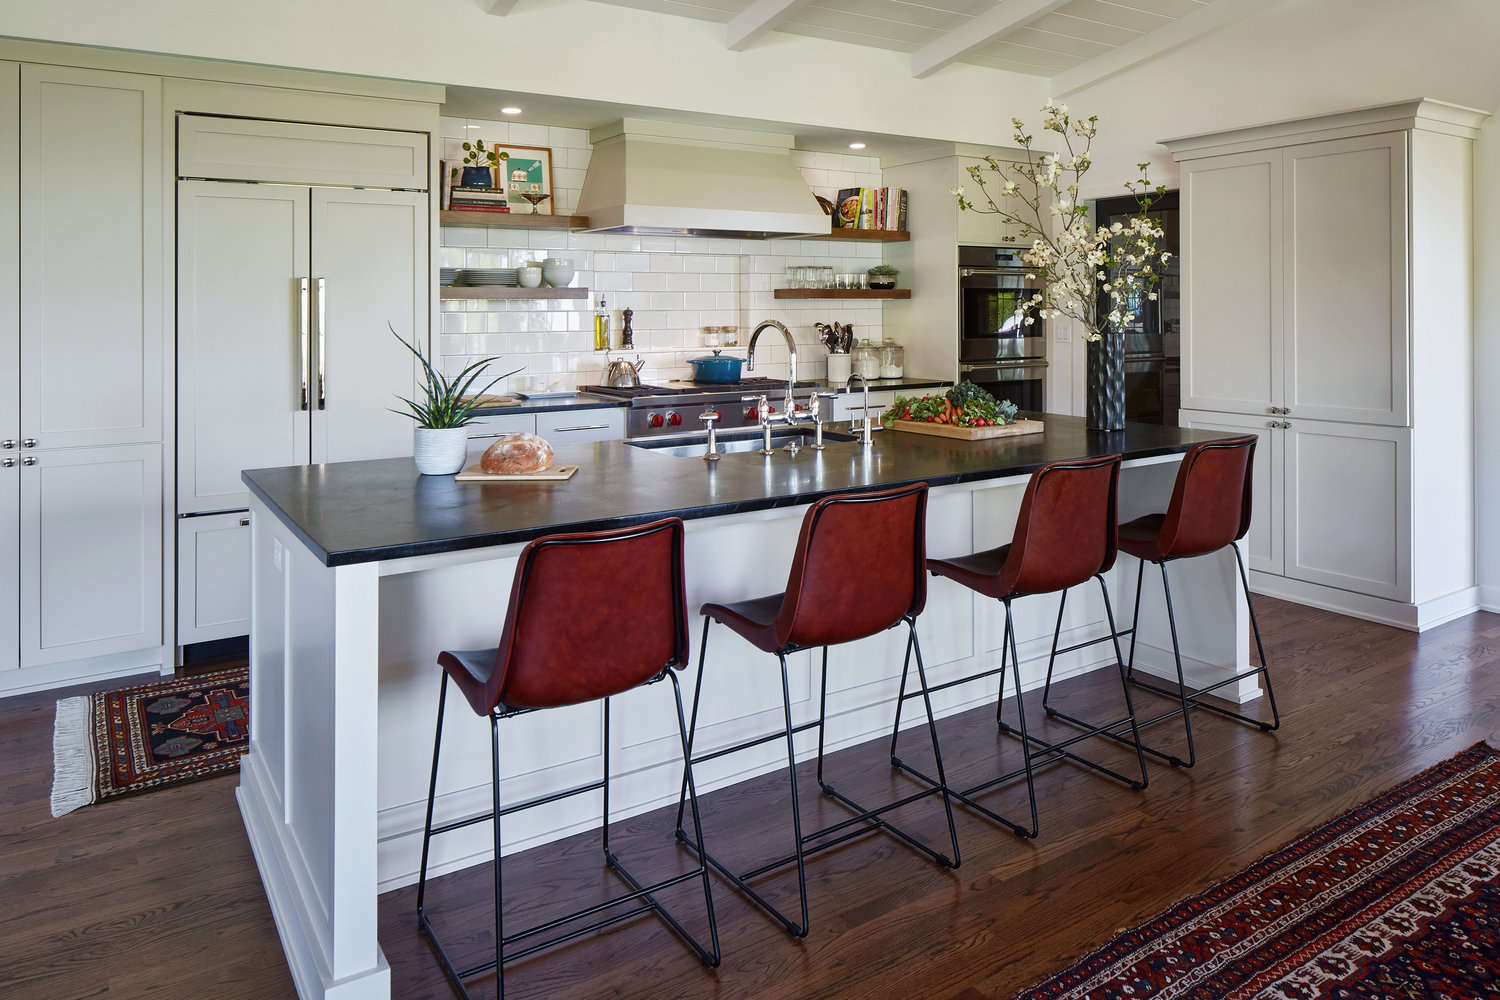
x: 738, y: 441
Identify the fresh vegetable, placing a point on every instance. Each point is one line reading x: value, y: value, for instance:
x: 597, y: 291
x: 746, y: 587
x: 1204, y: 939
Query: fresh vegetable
x: 965, y: 405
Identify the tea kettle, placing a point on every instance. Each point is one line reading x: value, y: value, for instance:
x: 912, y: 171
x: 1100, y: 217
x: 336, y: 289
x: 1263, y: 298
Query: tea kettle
x: 621, y: 374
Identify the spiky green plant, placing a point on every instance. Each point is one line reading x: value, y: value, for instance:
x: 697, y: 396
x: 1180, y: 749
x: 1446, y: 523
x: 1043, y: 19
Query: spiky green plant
x: 448, y: 402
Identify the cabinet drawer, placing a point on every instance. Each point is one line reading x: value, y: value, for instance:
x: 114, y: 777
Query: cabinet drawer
x: 242, y: 149
x: 851, y: 405
x: 213, y: 577
x: 484, y: 430
x: 562, y: 426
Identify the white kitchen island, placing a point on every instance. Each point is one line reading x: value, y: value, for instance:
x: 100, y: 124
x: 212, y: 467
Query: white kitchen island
x: 363, y: 571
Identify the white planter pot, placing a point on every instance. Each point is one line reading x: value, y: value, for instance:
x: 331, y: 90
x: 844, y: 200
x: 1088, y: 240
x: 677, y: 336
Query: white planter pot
x: 440, y: 451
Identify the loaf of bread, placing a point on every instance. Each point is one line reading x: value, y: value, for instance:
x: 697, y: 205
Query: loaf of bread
x: 516, y: 454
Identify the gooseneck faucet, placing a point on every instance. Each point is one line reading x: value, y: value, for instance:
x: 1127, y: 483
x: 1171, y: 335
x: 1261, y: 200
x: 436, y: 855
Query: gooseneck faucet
x: 791, y: 370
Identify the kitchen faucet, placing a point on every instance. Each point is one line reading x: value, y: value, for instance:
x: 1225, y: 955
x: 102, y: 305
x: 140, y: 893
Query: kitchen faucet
x: 791, y: 371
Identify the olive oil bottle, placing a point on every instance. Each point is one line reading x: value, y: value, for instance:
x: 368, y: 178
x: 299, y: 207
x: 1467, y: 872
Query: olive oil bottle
x: 601, y: 326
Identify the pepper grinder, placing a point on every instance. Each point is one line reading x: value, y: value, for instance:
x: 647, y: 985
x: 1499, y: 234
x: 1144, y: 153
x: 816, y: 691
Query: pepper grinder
x: 627, y: 336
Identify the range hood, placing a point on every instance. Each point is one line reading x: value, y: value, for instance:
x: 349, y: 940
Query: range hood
x: 659, y: 178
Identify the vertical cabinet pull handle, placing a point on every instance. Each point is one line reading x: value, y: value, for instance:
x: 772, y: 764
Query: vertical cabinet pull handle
x: 322, y: 343
x: 303, y: 321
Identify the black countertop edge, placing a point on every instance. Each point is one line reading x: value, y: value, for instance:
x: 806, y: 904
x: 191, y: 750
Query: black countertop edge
x: 356, y: 512
x: 582, y: 401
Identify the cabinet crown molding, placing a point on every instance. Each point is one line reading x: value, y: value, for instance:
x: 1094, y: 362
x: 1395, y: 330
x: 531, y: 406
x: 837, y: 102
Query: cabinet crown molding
x: 1424, y: 114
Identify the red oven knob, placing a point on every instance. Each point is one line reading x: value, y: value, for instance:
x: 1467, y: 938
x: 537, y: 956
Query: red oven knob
x: 753, y: 413
x: 770, y: 409
x: 674, y: 418
x: 654, y: 420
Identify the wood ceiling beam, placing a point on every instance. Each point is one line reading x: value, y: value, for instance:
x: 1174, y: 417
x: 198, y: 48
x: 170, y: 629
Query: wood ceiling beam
x: 499, y: 8
x: 1005, y: 17
x: 1185, y: 30
x: 758, y: 18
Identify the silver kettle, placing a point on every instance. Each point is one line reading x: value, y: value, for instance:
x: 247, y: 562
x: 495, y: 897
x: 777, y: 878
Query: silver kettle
x: 621, y: 374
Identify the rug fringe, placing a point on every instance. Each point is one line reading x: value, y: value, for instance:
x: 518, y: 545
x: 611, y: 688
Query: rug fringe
x: 72, y: 755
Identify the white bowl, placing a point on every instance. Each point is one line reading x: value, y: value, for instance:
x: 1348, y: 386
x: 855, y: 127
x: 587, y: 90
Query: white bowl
x: 529, y: 277
x: 557, y: 272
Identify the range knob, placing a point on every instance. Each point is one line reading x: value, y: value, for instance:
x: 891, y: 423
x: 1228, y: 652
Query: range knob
x: 654, y: 420
x: 752, y: 413
x: 770, y: 409
x: 674, y: 418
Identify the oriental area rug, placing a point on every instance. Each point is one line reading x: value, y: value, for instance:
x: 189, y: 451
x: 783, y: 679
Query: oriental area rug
x: 1398, y: 899
x: 139, y: 739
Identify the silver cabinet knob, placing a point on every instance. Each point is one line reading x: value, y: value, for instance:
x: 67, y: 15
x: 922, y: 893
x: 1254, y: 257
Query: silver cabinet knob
x: 7, y: 462
x: 8, y: 444
x: 28, y: 443
x: 29, y: 460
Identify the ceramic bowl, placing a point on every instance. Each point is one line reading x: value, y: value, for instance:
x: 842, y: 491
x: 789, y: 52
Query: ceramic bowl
x: 529, y: 277
x: 557, y: 272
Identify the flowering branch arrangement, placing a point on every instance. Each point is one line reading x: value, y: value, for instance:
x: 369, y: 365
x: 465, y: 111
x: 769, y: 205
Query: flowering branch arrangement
x: 1097, y: 276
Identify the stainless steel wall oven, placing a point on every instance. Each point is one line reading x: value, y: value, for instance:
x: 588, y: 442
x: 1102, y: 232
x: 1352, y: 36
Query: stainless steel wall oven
x: 997, y: 351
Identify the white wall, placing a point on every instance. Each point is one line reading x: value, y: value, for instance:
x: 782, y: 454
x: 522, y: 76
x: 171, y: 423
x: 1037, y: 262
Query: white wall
x: 1309, y: 57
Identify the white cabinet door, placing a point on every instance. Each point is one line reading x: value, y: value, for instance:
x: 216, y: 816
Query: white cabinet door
x: 1348, y: 507
x: 213, y: 577
x: 1231, y: 282
x: 91, y: 277
x: 10, y: 346
x: 91, y: 552
x: 1346, y: 280
x: 1263, y: 543
x: 244, y: 387
x: 369, y: 273
x: 566, y: 426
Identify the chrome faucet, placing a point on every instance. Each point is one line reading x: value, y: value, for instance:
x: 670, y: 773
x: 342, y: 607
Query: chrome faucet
x: 790, y: 416
x: 865, y: 385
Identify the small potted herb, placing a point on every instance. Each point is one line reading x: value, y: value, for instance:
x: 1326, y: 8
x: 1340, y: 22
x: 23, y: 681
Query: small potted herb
x: 481, y: 165
x: 439, y: 443
x: 883, y: 276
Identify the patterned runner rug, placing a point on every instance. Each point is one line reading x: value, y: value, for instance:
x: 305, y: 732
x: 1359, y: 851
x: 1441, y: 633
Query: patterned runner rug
x: 138, y: 739
x: 1398, y: 899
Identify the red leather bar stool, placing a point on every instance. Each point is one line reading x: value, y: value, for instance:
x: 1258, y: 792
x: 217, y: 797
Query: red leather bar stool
x: 858, y: 571
x: 1065, y: 534
x: 591, y: 616
x: 1209, y: 510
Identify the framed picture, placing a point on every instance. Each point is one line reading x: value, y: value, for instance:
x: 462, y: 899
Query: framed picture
x: 528, y: 170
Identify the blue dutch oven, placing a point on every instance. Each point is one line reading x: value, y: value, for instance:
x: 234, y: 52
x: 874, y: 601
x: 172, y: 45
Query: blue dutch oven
x: 716, y: 369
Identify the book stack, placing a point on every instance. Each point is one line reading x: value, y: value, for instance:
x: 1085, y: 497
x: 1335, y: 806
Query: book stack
x: 871, y: 208
x: 470, y: 199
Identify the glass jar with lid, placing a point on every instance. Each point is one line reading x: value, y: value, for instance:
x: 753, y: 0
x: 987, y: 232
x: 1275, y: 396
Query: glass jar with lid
x: 892, y: 360
x: 866, y: 360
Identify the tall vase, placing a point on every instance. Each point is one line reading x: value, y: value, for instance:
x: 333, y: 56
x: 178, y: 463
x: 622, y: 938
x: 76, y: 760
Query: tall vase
x: 1105, y: 406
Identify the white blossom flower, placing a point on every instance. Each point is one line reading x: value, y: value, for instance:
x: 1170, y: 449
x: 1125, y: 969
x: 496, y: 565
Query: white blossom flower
x: 957, y: 192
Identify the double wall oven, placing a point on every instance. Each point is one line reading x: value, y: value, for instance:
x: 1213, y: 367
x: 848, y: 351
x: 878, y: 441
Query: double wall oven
x: 997, y: 351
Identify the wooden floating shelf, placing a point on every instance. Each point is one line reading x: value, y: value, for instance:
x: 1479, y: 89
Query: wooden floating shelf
x: 878, y: 235
x: 841, y: 293
x: 509, y: 292
x: 511, y: 220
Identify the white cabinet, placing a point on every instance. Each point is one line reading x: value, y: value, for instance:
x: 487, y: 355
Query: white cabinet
x: 983, y: 228
x: 1327, y: 298
x: 81, y: 400
x: 851, y: 405
x: 568, y: 426
x: 287, y: 294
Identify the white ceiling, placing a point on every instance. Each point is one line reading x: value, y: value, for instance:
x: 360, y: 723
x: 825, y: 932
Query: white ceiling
x: 1034, y: 37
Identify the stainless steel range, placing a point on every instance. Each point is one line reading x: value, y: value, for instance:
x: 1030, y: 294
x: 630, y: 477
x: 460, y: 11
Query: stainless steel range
x: 675, y: 409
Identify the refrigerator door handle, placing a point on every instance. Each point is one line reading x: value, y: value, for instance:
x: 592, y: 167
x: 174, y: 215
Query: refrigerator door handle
x: 322, y: 343
x: 303, y: 321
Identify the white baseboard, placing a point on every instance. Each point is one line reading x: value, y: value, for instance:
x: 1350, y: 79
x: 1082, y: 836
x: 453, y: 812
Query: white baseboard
x: 95, y: 669
x: 1412, y: 617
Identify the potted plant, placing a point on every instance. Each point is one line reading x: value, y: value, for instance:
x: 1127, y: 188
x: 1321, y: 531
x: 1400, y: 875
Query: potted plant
x: 1095, y: 275
x: 481, y: 165
x: 440, y: 443
x: 883, y: 276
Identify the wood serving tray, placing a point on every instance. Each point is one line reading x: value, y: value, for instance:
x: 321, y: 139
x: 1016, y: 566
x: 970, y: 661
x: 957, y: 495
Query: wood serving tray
x: 552, y: 474
x: 968, y: 433
x: 485, y: 401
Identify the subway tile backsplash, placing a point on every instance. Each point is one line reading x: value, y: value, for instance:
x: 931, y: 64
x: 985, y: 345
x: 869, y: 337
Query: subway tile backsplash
x: 674, y: 285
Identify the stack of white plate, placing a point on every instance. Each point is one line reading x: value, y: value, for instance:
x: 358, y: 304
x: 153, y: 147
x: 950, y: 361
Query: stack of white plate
x: 448, y: 275
x: 490, y: 276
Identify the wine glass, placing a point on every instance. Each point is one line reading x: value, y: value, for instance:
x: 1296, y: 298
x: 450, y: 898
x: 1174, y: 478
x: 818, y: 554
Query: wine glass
x: 536, y: 198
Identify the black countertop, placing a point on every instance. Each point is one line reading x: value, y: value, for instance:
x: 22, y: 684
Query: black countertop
x: 355, y: 512
x: 584, y: 401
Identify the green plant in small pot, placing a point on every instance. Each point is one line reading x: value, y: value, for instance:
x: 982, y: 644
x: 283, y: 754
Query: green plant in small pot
x: 481, y: 165
x: 883, y: 276
x: 440, y: 443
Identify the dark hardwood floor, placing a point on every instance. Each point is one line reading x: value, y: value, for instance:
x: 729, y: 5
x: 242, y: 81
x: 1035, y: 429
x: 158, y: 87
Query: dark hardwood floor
x: 158, y: 896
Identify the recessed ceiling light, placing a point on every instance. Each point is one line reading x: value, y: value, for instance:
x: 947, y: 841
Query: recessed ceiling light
x: 856, y: 145
x: 510, y: 111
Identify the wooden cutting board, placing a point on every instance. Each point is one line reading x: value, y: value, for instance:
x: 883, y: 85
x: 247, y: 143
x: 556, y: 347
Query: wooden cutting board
x: 968, y: 433
x: 489, y: 402
x: 552, y: 474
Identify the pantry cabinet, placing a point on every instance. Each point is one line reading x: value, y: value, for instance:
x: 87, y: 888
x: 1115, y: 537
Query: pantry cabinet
x: 1327, y: 290
x: 81, y: 420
